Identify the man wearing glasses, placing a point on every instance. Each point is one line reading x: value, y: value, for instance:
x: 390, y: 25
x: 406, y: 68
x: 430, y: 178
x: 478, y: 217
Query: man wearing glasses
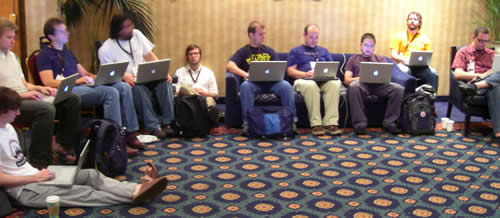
x: 473, y: 63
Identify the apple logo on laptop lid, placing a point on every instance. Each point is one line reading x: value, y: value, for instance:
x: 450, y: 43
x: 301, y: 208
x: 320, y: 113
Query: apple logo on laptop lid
x: 325, y: 70
x: 112, y: 73
x: 153, y: 71
x: 66, y: 88
x: 375, y: 73
x: 267, y: 71
x: 420, y: 58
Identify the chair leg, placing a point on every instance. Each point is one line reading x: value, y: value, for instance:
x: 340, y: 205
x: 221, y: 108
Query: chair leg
x: 448, y: 112
x: 467, y: 122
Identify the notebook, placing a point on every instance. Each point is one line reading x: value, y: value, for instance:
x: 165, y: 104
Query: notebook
x: 152, y: 71
x: 65, y: 175
x: 420, y: 58
x: 325, y: 70
x: 375, y: 72
x: 267, y: 71
x: 64, y: 90
x: 110, y: 73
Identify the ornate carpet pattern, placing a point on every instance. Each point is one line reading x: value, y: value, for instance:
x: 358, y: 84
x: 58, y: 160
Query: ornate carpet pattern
x: 372, y: 175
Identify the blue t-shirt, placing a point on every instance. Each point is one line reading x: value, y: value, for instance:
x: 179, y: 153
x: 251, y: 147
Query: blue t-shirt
x: 303, y: 55
x: 247, y: 54
x: 53, y: 59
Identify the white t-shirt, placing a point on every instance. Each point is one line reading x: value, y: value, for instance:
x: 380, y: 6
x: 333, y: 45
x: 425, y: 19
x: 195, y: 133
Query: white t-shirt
x: 111, y: 51
x: 11, y: 73
x: 12, y: 160
x: 205, y: 79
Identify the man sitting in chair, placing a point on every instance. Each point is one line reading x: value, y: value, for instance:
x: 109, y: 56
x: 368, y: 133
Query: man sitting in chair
x: 473, y: 63
x: 56, y: 62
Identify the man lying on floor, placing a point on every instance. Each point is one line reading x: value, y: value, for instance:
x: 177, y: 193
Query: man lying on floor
x: 91, y: 188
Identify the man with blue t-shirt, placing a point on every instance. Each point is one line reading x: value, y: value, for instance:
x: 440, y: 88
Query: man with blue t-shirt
x: 239, y: 64
x: 56, y: 62
x: 299, y: 68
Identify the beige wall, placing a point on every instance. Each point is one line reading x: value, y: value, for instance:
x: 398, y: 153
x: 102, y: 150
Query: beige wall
x: 37, y: 11
x: 219, y: 27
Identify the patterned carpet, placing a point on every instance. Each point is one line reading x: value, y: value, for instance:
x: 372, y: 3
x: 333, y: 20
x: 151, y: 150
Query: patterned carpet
x: 372, y: 175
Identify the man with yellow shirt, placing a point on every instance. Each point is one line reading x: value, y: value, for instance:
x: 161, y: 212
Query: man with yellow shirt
x: 413, y: 40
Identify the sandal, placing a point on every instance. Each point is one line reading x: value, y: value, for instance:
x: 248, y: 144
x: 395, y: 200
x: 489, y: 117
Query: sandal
x: 149, y: 190
x: 153, y: 173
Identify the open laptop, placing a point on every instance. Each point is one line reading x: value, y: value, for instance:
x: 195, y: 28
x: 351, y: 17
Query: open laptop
x: 267, y: 71
x: 495, y: 67
x: 325, y: 71
x: 110, y: 73
x: 375, y: 72
x: 64, y: 90
x: 420, y: 58
x: 65, y: 175
x: 152, y: 71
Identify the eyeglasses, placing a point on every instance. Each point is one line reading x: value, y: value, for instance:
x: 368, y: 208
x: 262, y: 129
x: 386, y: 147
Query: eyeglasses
x: 483, y: 41
x: 193, y: 53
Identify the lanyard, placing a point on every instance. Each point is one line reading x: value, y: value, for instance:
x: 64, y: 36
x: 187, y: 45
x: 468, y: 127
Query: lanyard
x: 131, y: 53
x: 198, y: 76
x: 314, y: 53
x: 59, y: 57
x: 410, y: 41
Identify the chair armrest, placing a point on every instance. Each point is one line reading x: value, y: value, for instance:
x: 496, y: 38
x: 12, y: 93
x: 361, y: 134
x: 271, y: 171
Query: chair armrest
x: 232, y: 87
x: 456, y: 95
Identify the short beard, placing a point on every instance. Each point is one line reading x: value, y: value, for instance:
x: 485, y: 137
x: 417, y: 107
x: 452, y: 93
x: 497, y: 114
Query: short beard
x: 415, y: 27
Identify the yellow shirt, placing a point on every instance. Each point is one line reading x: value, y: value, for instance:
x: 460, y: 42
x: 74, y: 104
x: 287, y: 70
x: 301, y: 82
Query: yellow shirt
x: 419, y: 43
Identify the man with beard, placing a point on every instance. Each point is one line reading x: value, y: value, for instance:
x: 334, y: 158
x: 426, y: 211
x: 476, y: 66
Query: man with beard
x: 413, y: 40
x: 473, y: 63
x: 195, y: 79
x: 129, y: 44
x: 299, y: 64
x: 357, y: 92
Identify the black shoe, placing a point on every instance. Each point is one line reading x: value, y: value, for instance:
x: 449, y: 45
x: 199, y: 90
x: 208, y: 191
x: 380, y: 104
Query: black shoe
x: 360, y: 131
x: 392, y: 128
x: 158, y: 133
x: 169, y: 131
x: 468, y: 88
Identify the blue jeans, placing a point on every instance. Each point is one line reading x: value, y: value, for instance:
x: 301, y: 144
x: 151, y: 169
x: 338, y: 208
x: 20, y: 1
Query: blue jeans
x: 116, y: 100
x: 162, y: 93
x: 248, y: 90
x: 493, y: 96
x: 428, y: 74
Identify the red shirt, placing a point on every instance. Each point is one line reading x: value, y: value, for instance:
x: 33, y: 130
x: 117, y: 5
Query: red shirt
x: 483, y: 59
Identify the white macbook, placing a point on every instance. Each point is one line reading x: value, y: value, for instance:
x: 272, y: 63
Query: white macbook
x: 375, y: 72
x: 65, y: 175
x: 267, y: 71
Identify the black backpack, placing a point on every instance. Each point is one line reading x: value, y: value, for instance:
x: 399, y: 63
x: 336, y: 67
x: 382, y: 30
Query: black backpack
x: 418, y: 114
x: 193, y: 117
x: 107, y: 148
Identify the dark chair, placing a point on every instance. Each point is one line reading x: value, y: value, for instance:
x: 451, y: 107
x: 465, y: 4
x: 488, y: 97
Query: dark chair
x: 471, y: 106
x: 233, y: 107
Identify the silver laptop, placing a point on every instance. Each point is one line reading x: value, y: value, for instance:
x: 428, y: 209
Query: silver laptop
x: 495, y: 67
x: 65, y: 175
x: 64, y: 90
x: 375, y: 72
x: 152, y: 71
x: 267, y: 71
x: 110, y: 73
x: 420, y: 58
x: 325, y: 70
